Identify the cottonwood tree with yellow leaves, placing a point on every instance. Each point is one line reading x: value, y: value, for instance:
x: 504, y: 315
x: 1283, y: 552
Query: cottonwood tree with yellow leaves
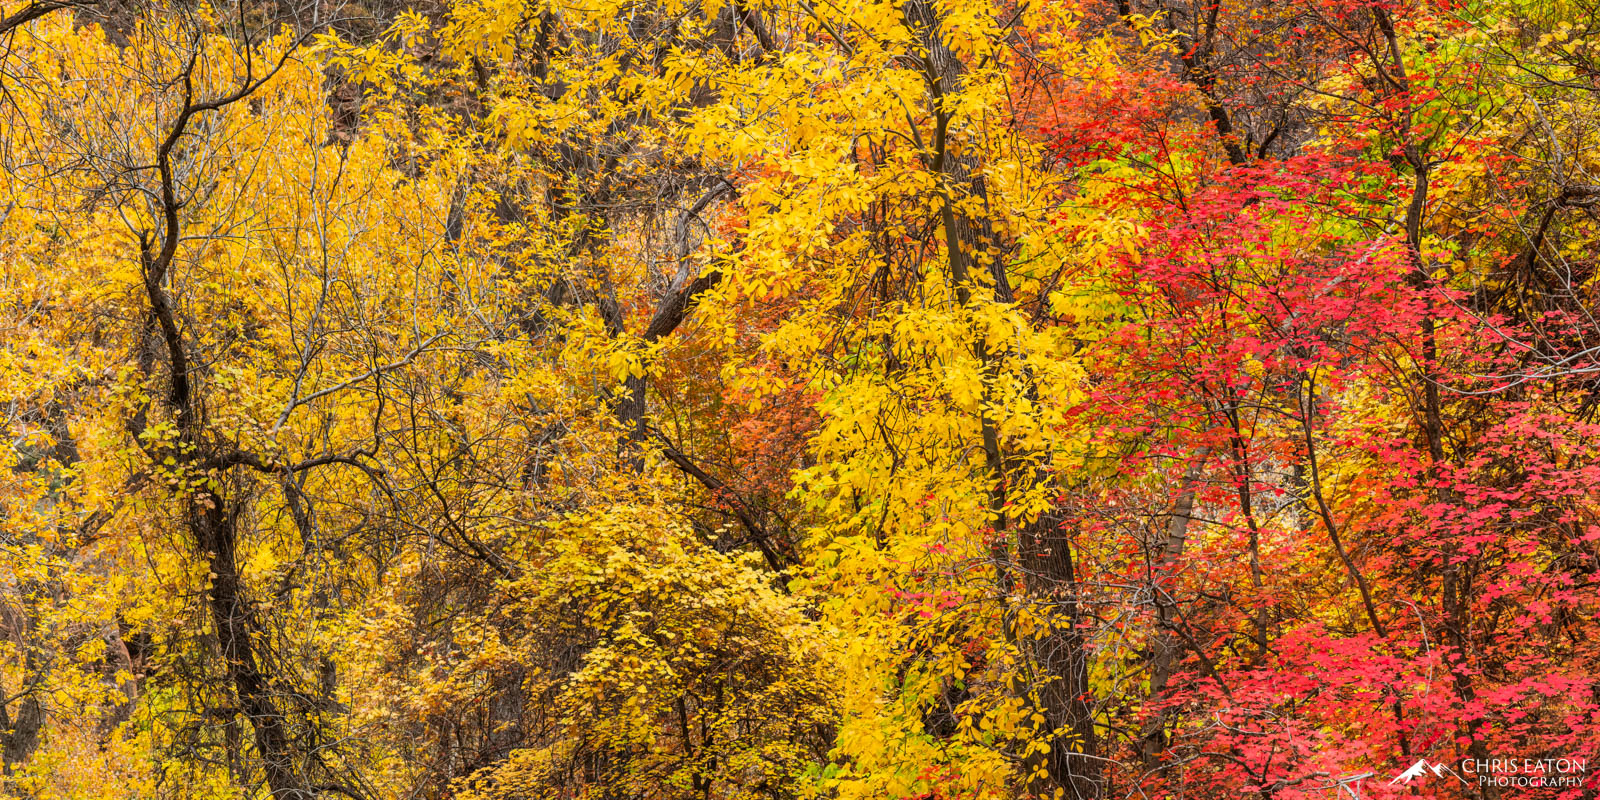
x: 671, y: 399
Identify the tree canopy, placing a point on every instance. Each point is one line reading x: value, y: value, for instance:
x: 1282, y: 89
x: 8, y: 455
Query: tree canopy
x: 799, y: 399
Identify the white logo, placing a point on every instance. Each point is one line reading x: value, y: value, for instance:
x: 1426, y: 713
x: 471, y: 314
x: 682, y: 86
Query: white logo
x: 1416, y: 771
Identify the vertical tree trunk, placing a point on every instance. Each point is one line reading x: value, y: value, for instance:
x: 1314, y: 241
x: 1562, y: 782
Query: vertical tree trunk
x: 1165, y: 646
x: 213, y: 522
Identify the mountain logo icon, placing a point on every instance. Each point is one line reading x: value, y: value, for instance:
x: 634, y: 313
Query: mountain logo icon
x: 1422, y: 767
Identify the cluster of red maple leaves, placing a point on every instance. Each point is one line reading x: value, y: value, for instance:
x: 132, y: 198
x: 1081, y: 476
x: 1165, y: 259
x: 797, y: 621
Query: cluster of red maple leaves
x: 1356, y: 419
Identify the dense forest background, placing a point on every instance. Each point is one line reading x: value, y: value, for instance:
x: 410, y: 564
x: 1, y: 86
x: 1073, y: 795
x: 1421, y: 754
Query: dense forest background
x: 767, y: 399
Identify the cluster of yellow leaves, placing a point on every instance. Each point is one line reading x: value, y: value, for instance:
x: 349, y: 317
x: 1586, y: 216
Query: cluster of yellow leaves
x: 664, y: 663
